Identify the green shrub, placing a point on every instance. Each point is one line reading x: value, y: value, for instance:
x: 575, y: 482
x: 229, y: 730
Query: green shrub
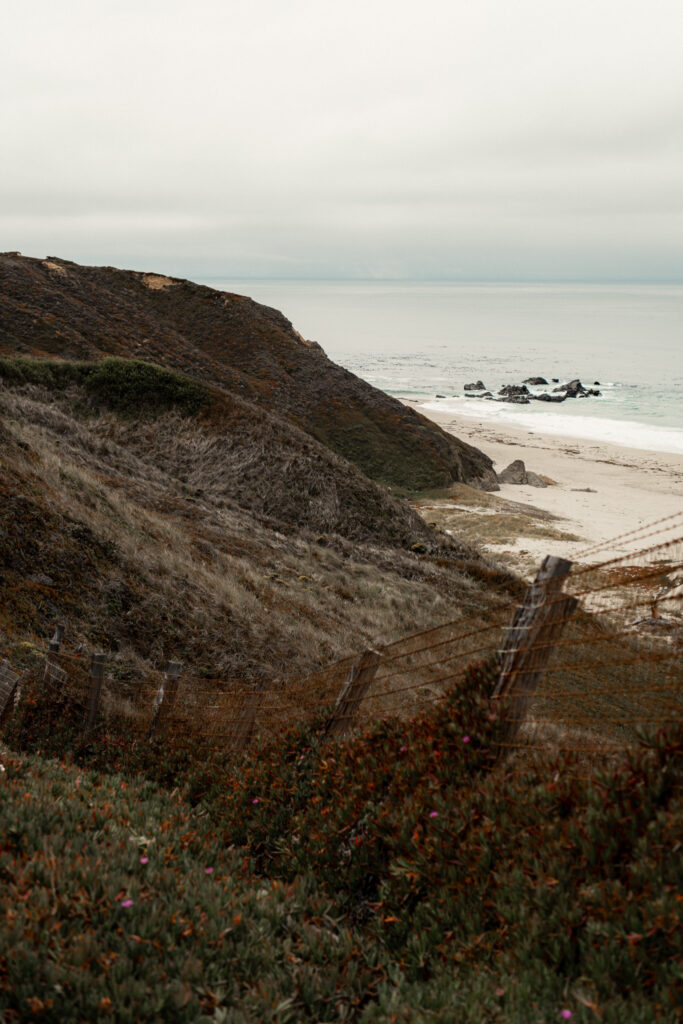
x: 128, y: 386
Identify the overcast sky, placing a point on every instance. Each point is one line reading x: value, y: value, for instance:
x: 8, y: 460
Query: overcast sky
x: 449, y: 139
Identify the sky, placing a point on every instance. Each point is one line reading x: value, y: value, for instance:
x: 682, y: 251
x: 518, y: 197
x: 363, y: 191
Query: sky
x: 370, y: 139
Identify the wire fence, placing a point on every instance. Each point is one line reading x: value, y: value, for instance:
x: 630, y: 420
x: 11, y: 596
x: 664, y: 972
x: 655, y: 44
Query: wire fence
x: 592, y: 655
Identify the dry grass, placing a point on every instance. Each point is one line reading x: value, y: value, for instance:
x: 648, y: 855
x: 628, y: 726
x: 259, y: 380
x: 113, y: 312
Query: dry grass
x: 200, y: 568
x: 484, y: 519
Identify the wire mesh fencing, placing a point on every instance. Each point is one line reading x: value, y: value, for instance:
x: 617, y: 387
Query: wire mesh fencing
x: 593, y: 655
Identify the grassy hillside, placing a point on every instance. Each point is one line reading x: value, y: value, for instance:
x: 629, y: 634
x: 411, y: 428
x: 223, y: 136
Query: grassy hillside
x: 403, y: 876
x: 54, y: 308
x: 160, y: 517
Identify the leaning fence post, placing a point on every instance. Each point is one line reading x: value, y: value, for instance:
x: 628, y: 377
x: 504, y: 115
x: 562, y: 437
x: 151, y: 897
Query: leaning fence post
x: 9, y: 684
x: 352, y: 692
x: 244, y: 727
x: 166, y: 695
x: 95, y: 680
x: 536, y: 628
x: 53, y: 648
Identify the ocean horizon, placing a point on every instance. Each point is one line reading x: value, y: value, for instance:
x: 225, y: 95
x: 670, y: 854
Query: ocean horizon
x: 419, y: 340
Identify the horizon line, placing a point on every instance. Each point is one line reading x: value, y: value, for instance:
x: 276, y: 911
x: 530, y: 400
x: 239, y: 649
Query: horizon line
x: 447, y: 280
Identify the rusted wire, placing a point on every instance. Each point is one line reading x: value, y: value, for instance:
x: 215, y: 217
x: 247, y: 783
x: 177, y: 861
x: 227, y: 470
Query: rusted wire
x: 630, y: 534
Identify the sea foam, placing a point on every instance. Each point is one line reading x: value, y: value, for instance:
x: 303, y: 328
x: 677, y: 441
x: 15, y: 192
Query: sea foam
x: 625, y: 433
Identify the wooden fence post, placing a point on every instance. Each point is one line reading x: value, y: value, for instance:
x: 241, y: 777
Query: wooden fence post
x: 53, y: 649
x: 9, y: 684
x: 536, y: 628
x: 352, y: 692
x: 95, y: 679
x: 244, y: 726
x: 166, y: 695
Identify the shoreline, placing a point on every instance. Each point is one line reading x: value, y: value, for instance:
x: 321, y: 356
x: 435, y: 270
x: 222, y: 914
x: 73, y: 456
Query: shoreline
x: 601, y: 490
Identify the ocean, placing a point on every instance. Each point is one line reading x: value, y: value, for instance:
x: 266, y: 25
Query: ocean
x: 418, y: 340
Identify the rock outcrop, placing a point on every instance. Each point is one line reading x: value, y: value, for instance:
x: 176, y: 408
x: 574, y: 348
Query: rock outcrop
x: 572, y: 389
x: 518, y: 394
x: 545, y: 397
x: 517, y: 473
x: 514, y: 390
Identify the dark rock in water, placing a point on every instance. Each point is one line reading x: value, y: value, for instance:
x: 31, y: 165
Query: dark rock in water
x: 486, y: 394
x: 537, y: 382
x: 517, y: 394
x: 572, y: 389
x: 545, y: 397
x: 594, y: 392
x: 596, y: 383
x: 556, y: 380
x: 514, y: 389
x: 440, y: 396
x: 479, y: 386
x: 517, y: 473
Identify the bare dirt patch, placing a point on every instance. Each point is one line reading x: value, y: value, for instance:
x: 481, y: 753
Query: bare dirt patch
x: 157, y: 281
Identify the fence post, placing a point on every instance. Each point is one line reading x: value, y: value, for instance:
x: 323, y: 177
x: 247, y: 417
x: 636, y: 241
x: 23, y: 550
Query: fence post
x: 536, y: 628
x: 9, y: 684
x: 352, y: 692
x: 53, y: 648
x: 244, y: 726
x: 166, y: 695
x: 95, y: 680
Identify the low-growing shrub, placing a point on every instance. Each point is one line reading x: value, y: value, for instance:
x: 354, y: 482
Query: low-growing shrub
x: 406, y: 874
x: 128, y: 386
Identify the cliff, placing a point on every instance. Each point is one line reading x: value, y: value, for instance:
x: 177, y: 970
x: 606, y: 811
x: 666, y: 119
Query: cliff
x: 55, y: 308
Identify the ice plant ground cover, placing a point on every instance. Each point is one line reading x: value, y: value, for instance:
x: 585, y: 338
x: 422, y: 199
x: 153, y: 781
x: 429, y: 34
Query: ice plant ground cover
x: 402, y: 876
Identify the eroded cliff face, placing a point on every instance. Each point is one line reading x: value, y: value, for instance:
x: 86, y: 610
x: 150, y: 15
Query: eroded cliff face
x: 55, y: 308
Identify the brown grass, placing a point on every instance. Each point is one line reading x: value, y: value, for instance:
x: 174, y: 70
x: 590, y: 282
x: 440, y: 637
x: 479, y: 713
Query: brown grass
x: 164, y: 539
x: 480, y: 518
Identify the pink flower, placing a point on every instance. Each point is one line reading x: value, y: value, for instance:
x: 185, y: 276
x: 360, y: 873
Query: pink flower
x: 566, y: 1014
x: 403, y: 749
x: 255, y: 800
x: 500, y: 991
x: 209, y: 871
x: 144, y: 860
x: 433, y: 814
x: 466, y: 739
x: 127, y: 903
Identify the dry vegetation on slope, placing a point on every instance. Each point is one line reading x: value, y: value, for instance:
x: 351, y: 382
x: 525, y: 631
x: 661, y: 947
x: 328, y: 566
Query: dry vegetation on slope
x: 54, y: 308
x: 161, y: 525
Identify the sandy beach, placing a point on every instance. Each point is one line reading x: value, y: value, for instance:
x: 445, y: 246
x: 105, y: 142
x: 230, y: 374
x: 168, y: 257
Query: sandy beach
x: 600, y: 491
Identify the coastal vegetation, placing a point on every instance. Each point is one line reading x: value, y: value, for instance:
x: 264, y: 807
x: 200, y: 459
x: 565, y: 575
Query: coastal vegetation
x: 184, y: 477
x: 401, y: 876
x: 55, y: 308
x: 126, y: 386
x: 159, y: 517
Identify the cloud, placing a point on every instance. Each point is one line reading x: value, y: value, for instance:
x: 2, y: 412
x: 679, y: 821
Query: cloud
x: 450, y: 137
